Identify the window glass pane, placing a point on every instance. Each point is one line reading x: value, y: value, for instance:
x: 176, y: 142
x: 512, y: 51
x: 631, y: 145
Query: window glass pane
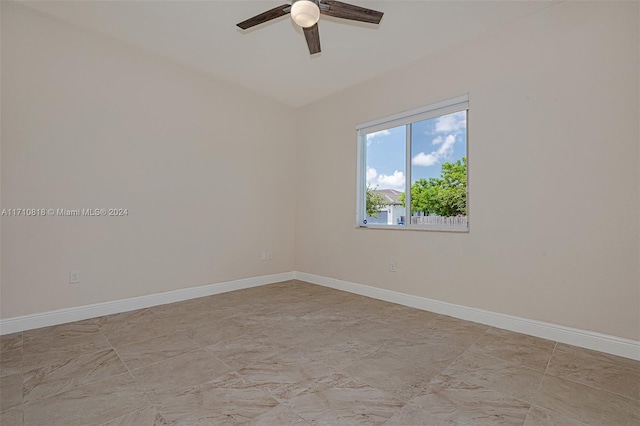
x: 385, y: 165
x: 439, y: 171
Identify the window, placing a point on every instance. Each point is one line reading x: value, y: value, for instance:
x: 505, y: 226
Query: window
x: 412, y: 169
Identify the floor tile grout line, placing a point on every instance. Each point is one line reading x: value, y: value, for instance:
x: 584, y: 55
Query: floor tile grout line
x: 232, y: 370
x: 83, y: 354
x: 620, y: 364
x: 154, y: 338
x: 378, y: 349
x: 82, y: 384
x: 632, y: 399
x: 161, y: 360
x: 22, y: 375
x: 127, y: 367
x: 624, y: 363
x: 466, y: 350
x: 479, y: 383
x: 49, y: 373
x: 517, y: 363
x: 581, y: 383
x: 469, y: 348
x: 535, y: 401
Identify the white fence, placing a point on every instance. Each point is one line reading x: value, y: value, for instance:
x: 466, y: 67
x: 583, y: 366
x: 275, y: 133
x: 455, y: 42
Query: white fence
x: 439, y: 220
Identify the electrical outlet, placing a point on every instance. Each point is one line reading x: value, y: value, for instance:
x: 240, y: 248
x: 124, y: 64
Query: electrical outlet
x: 269, y: 255
x: 263, y: 255
x: 74, y: 277
x: 392, y: 266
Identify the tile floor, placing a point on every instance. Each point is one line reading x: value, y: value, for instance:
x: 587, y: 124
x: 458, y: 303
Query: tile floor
x: 296, y: 353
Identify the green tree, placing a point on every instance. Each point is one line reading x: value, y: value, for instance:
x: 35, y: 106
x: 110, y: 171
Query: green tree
x: 443, y: 196
x: 452, y: 196
x: 423, y: 196
x: 375, y: 201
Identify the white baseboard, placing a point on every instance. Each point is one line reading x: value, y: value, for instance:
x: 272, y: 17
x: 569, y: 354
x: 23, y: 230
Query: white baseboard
x: 586, y: 339
x: 61, y: 316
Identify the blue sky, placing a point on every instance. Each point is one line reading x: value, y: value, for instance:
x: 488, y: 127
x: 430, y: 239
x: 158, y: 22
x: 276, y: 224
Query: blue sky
x: 434, y: 141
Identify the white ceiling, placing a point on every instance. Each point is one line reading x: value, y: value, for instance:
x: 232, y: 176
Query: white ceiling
x: 273, y: 58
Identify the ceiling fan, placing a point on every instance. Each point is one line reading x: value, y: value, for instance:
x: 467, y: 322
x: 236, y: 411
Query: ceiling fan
x: 306, y: 13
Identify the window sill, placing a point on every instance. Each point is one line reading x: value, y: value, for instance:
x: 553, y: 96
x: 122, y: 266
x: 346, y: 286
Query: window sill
x: 432, y: 228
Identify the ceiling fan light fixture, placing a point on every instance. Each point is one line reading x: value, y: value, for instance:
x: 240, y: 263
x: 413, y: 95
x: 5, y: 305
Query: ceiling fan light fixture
x: 305, y: 13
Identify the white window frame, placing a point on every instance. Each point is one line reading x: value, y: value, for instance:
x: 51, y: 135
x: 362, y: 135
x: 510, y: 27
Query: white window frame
x: 406, y: 118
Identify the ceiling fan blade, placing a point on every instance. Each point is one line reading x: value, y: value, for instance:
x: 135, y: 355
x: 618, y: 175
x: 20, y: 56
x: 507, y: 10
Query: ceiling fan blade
x: 338, y: 9
x: 313, y: 38
x: 274, y: 13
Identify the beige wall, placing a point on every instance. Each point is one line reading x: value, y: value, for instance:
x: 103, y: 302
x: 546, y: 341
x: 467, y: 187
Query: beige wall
x: 553, y: 174
x: 205, y: 169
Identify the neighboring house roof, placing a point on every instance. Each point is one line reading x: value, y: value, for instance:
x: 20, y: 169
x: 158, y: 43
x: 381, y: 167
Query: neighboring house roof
x: 390, y: 195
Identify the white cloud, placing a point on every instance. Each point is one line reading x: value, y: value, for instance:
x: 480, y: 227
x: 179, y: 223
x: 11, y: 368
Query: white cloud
x: 444, y: 151
x: 451, y: 122
x: 394, y: 181
x: 425, y: 160
x: 382, y: 181
x: 384, y: 132
x: 372, y: 174
x: 437, y: 141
